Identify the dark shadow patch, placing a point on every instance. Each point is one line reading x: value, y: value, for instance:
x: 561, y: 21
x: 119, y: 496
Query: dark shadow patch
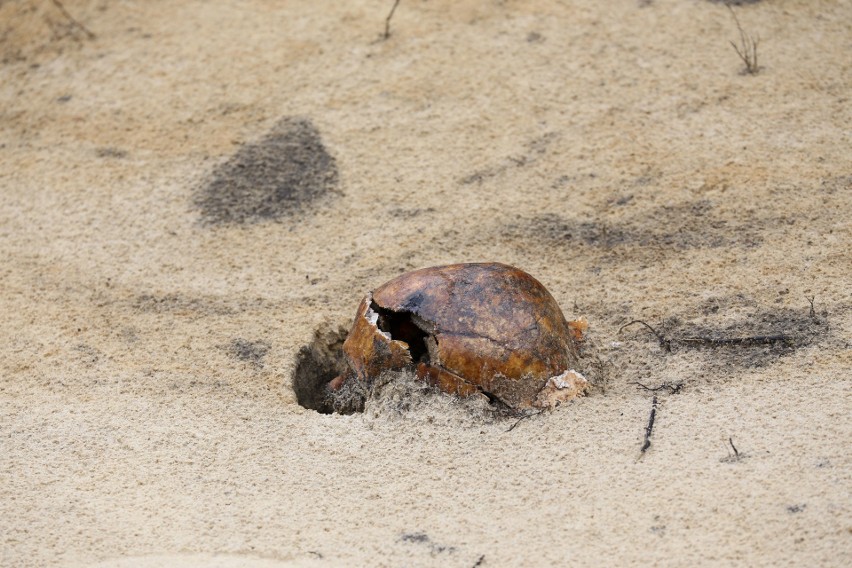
x: 686, y: 226
x: 251, y: 352
x: 757, y: 336
x: 284, y: 172
x: 596, y: 234
x: 797, y: 328
x: 316, y: 364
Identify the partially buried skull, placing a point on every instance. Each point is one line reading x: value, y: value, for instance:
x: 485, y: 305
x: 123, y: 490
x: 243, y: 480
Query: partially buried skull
x: 483, y: 329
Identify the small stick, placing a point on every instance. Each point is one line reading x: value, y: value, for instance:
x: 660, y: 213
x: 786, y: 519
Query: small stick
x: 512, y: 427
x: 673, y: 388
x: 752, y: 340
x: 748, y: 54
x: 664, y: 343
x: 479, y: 561
x: 71, y: 19
x: 736, y: 453
x: 388, y: 19
x: 650, y: 426
x: 811, y: 302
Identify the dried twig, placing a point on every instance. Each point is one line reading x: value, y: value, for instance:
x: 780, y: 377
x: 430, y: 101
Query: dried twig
x: 650, y: 427
x: 518, y: 421
x: 672, y: 388
x: 72, y: 20
x: 388, y: 19
x: 747, y: 50
x: 664, y: 343
x: 704, y: 341
x: 811, y: 302
x: 719, y: 341
x: 736, y: 453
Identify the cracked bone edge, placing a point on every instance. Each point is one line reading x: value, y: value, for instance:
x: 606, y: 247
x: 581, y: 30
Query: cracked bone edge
x: 372, y: 317
x: 560, y: 389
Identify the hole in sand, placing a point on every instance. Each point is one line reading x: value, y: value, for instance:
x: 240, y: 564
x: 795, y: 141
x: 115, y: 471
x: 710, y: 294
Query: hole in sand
x: 316, y: 364
x: 322, y: 360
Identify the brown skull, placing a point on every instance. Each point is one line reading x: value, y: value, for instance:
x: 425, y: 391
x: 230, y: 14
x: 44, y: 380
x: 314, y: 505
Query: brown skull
x: 469, y: 329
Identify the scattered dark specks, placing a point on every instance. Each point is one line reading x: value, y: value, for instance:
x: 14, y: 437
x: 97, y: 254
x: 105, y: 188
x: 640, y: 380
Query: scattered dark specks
x: 110, y: 153
x: 409, y: 213
x: 251, y: 352
x: 283, y: 172
x: 643, y: 180
x: 182, y: 305
x: 796, y: 508
x: 129, y: 334
x: 566, y: 180
x: 735, y: 2
x: 423, y: 538
x: 89, y: 356
x: 415, y: 537
x: 532, y: 150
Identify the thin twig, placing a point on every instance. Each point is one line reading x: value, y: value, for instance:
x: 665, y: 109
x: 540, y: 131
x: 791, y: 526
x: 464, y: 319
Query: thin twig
x: 71, y: 19
x: 512, y: 427
x: 650, y: 426
x: 701, y: 340
x: 751, y: 340
x: 664, y: 343
x: 736, y: 453
x: 748, y: 53
x: 811, y: 302
x: 388, y: 19
x: 672, y: 388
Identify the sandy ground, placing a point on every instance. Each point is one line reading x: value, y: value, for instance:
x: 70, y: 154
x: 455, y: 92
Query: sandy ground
x: 192, y: 194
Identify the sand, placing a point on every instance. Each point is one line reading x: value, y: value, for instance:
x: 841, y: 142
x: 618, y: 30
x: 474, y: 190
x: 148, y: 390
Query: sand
x: 158, y: 283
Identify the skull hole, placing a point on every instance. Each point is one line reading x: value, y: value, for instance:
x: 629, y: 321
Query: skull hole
x: 407, y: 327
